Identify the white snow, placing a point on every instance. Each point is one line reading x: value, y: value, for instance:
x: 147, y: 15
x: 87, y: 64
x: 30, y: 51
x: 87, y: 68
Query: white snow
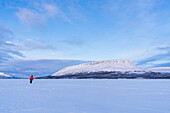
x: 107, y: 65
x: 84, y: 96
x: 4, y: 75
x: 160, y: 69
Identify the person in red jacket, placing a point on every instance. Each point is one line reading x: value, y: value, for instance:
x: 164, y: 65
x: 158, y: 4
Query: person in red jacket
x: 31, y: 79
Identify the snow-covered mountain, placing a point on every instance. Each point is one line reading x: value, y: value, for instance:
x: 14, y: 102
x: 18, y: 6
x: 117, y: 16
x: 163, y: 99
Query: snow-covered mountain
x: 108, y: 69
x: 101, y: 66
x: 3, y: 75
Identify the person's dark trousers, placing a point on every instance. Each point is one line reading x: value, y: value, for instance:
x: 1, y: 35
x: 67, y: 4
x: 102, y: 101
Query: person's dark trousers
x: 30, y: 81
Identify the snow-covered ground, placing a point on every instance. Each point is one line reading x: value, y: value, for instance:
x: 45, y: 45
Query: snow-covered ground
x: 84, y: 96
x: 4, y: 75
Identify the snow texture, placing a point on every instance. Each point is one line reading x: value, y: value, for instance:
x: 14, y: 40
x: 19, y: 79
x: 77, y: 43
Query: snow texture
x: 84, y: 96
x: 4, y: 75
x: 101, y: 66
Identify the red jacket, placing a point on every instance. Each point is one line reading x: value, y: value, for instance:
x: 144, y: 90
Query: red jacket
x: 31, y: 78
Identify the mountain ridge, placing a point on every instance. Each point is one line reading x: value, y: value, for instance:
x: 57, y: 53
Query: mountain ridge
x: 100, y: 66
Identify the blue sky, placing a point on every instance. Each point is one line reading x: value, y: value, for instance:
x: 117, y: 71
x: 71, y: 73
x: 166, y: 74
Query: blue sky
x: 91, y: 30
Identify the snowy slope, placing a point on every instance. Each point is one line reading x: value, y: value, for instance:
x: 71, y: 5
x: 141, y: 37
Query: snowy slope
x: 3, y: 75
x: 160, y: 69
x: 101, y: 66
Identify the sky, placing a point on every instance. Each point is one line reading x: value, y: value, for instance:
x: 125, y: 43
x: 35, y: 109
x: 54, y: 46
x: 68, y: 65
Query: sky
x: 90, y: 30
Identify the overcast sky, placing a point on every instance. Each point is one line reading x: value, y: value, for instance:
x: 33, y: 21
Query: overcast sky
x: 91, y: 30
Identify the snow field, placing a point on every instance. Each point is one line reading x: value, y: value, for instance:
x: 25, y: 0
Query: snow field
x: 84, y: 96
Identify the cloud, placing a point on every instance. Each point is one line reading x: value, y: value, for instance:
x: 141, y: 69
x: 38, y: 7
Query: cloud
x: 160, y: 58
x: 7, y: 48
x: 130, y: 11
x: 34, y: 44
x: 5, y: 31
x: 146, y: 4
x: 39, y: 14
x: 37, y: 67
x: 76, y: 13
x: 50, y: 10
x: 74, y: 41
x: 65, y: 17
x: 28, y: 16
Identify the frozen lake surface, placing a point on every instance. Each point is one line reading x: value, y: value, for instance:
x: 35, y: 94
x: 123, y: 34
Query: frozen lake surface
x: 85, y: 96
